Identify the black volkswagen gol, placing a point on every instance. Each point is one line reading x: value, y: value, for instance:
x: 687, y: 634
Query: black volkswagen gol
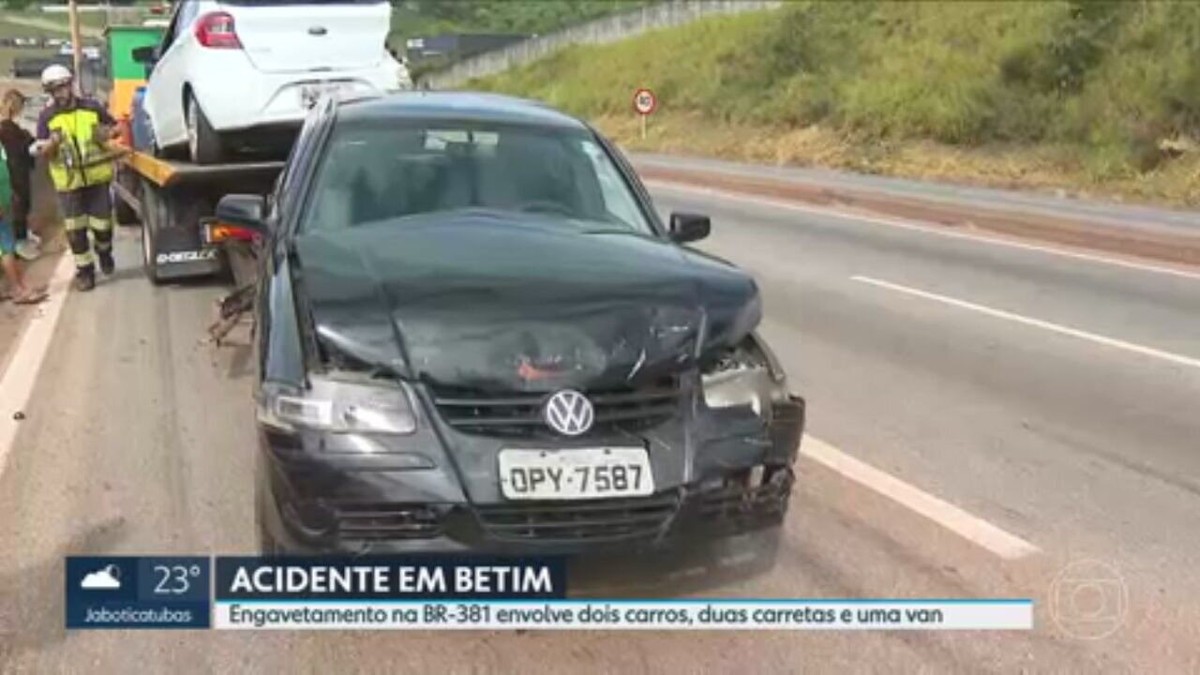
x: 475, y: 334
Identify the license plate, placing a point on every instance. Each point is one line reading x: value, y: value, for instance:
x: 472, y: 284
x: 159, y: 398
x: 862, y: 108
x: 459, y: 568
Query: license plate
x: 311, y: 93
x: 576, y: 473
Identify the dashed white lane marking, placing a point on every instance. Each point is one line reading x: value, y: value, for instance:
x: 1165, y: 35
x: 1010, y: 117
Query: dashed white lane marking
x: 1037, y: 323
x: 21, y: 371
x: 917, y: 226
x: 972, y: 528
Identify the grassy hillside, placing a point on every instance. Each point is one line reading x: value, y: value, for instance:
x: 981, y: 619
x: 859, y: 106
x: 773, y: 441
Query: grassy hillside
x: 1067, y: 94
x: 36, y: 24
x: 430, y: 17
x: 9, y: 29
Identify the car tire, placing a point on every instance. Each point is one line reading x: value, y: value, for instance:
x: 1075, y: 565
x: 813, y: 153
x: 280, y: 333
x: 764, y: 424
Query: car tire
x: 204, y: 144
x: 267, y: 544
x: 172, y: 152
x: 152, y: 212
x: 123, y: 213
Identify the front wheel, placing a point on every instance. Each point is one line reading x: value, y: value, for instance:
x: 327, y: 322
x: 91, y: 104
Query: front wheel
x: 267, y: 544
x: 204, y: 144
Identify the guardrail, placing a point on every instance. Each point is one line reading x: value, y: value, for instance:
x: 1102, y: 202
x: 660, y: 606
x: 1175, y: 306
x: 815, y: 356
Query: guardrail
x: 598, y: 31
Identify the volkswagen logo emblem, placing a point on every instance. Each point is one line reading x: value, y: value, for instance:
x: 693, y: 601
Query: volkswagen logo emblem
x: 569, y: 413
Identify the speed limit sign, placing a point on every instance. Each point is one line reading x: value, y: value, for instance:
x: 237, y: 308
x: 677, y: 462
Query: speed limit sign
x: 644, y: 101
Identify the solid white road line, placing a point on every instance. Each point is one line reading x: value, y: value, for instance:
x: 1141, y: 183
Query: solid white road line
x: 919, y: 227
x: 972, y: 528
x: 1037, y: 323
x: 21, y: 371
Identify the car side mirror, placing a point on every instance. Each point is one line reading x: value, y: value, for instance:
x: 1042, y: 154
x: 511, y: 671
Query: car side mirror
x: 146, y: 54
x: 687, y: 227
x: 243, y: 211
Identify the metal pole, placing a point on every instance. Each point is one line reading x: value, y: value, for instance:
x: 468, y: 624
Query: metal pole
x: 76, y: 44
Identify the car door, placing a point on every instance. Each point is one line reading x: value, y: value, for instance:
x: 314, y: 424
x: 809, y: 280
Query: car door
x: 164, y: 87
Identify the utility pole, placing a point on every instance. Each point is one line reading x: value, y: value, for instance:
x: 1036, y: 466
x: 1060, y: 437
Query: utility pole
x: 76, y: 44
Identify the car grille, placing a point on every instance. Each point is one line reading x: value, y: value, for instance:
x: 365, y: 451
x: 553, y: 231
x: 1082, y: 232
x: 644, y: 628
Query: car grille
x: 387, y: 521
x: 520, y: 414
x: 610, y: 519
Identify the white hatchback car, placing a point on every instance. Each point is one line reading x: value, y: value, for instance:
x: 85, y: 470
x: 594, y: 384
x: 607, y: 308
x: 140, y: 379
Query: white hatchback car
x: 234, y: 73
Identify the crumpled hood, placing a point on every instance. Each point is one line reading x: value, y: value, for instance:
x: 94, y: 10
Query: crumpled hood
x: 505, y: 303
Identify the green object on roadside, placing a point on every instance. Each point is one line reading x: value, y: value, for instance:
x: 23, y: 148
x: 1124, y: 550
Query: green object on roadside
x: 127, y: 74
x: 5, y: 187
x: 122, y: 40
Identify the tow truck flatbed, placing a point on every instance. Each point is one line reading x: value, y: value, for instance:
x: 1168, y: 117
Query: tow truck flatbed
x: 171, y: 198
x: 167, y: 173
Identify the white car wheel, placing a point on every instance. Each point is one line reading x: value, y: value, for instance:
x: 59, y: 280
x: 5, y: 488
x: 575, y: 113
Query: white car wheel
x: 204, y: 145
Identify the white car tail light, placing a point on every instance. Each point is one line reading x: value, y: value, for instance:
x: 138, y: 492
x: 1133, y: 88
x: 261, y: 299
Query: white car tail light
x: 215, y: 30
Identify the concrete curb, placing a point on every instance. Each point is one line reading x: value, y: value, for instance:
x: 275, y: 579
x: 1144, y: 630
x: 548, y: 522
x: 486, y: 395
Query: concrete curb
x: 1075, y: 232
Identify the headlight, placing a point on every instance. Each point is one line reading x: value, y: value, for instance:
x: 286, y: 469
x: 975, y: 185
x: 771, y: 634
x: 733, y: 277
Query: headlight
x: 746, y: 376
x: 339, y: 406
x: 742, y: 386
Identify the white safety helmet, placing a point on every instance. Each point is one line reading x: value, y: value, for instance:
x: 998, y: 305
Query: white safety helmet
x: 55, y: 75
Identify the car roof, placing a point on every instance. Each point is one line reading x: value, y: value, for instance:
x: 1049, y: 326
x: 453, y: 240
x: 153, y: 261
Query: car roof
x: 459, y: 106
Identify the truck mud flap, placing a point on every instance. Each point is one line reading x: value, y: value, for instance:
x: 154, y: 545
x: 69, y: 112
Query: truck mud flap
x: 172, y: 248
x: 177, y: 255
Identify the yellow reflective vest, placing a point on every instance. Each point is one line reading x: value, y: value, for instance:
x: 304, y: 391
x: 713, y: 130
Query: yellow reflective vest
x: 81, y: 159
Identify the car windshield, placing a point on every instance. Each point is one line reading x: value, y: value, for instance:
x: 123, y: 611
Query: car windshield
x: 372, y: 173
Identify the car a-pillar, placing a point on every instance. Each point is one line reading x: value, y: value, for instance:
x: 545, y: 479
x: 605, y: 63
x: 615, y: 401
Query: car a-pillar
x: 171, y: 244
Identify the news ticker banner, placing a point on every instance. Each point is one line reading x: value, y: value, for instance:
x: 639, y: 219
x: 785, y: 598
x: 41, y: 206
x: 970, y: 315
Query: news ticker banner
x: 447, y: 593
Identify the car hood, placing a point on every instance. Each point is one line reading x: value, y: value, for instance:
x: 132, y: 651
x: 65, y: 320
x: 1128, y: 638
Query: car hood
x: 513, y: 303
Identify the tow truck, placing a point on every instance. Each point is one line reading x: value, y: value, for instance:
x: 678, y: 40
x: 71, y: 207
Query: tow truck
x: 173, y: 201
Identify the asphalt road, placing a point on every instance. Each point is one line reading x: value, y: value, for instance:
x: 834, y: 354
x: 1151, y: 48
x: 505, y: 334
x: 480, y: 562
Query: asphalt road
x: 1053, y: 398
x: 1112, y: 214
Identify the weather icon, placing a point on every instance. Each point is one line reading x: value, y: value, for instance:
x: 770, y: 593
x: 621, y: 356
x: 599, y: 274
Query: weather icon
x: 108, y: 578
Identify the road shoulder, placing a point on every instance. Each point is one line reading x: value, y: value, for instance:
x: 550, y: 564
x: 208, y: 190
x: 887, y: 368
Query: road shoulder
x: 1160, y: 243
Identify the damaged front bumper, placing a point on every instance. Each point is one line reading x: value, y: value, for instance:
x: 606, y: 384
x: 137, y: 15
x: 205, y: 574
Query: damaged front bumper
x: 735, y: 483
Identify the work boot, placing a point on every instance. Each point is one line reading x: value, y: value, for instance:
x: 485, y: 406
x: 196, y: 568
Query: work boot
x: 85, y: 278
x: 106, y: 262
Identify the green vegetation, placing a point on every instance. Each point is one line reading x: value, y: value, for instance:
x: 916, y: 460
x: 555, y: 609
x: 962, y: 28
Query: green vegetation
x: 54, y: 22
x: 431, y: 17
x: 33, y: 23
x: 13, y: 30
x: 1053, y: 93
x: 529, y: 17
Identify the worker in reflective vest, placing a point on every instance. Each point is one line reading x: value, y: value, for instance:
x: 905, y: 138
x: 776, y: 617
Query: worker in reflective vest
x: 72, y: 133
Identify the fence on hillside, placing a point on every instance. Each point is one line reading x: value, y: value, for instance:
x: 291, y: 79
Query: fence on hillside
x: 599, y: 31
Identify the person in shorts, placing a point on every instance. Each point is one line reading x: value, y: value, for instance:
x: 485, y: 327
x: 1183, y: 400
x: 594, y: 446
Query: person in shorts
x: 16, y: 141
x: 18, y: 290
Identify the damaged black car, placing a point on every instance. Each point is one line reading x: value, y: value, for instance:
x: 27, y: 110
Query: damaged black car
x: 474, y: 333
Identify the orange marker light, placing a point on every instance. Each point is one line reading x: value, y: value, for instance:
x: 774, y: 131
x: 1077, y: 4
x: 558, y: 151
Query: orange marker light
x: 219, y: 232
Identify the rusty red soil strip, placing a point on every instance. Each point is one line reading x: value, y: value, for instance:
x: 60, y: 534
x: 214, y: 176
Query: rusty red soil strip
x: 1180, y: 249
